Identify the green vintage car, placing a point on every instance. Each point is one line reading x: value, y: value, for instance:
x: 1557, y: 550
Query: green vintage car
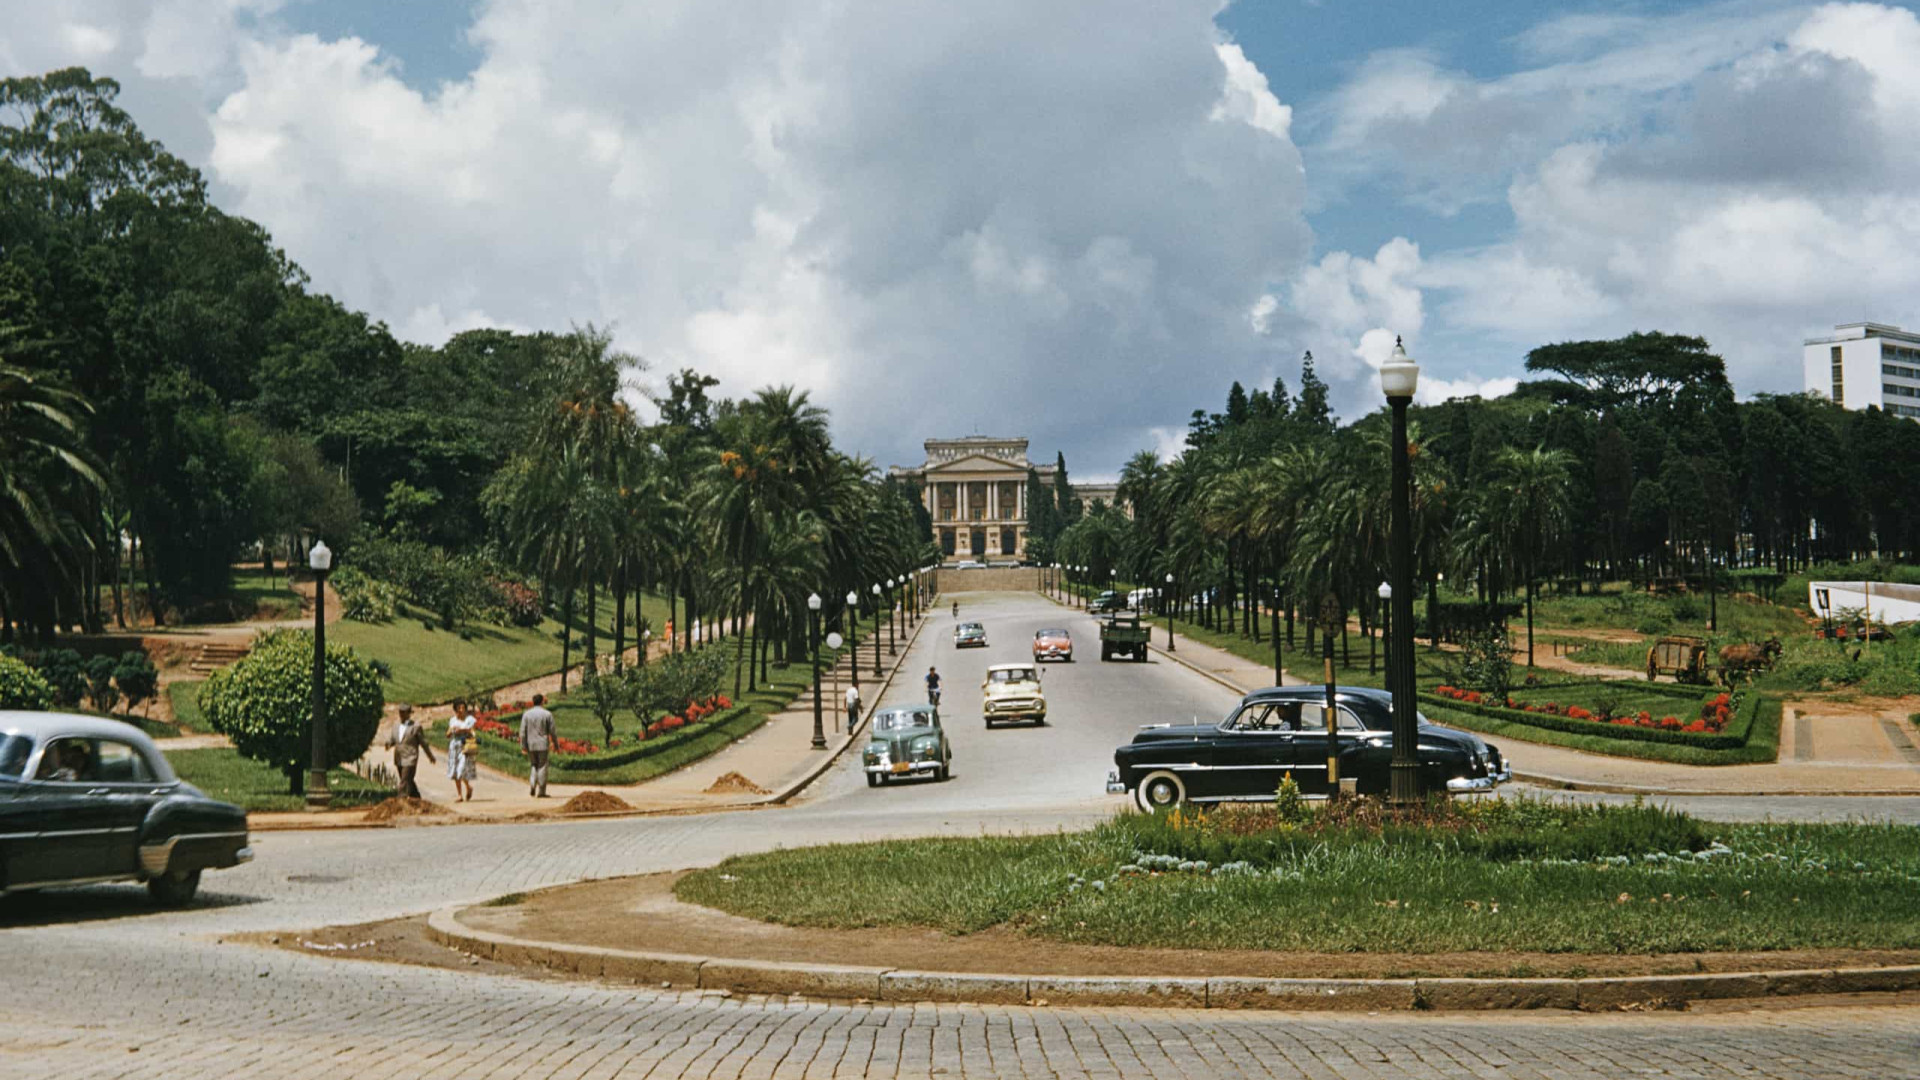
x: 907, y: 740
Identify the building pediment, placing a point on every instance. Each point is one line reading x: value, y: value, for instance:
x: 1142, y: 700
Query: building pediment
x: 976, y: 463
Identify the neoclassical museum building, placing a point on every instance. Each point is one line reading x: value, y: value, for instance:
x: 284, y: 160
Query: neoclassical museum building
x: 975, y: 488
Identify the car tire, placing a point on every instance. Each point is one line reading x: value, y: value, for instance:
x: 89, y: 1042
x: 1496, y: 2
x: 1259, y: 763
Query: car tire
x: 174, y: 888
x: 943, y: 774
x: 873, y: 779
x: 1159, y: 791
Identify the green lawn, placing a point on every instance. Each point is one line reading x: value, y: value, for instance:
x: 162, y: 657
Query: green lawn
x: 1499, y: 876
x: 224, y: 774
x: 431, y: 665
x: 574, y: 720
x: 270, y: 596
x: 185, y: 698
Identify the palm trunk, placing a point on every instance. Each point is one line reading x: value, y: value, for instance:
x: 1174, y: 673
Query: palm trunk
x: 620, y: 616
x: 566, y: 638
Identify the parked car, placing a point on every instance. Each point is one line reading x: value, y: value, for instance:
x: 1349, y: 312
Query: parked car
x: 1052, y: 645
x: 1282, y: 730
x: 1139, y: 599
x: 1012, y: 692
x: 907, y: 740
x: 84, y: 800
x: 1107, y: 601
x: 969, y: 635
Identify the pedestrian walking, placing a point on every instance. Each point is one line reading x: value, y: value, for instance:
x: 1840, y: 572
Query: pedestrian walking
x: 536, y: 740
x: 408, y: 741
x: 462, y: 747
x: 853, y: 708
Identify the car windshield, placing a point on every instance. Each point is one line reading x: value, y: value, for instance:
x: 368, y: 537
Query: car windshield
x: 902, y: 720
x: 1011, y: 675
x: 968, y: 628
x: 1051, y: 634
x: 14, y: 751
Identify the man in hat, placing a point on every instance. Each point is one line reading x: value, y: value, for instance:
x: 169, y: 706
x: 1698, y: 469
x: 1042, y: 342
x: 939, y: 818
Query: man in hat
x: 409, y: 741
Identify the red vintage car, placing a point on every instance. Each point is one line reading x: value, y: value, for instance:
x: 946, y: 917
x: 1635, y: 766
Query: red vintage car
x: 1052, y: 645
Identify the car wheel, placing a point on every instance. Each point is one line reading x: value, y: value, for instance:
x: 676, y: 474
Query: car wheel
x: 873, y: 779
x: 943, y: 774
x: 174, y: 888
x: 1159, y: 791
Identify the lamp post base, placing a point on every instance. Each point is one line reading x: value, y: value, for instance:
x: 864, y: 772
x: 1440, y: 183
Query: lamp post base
x: 1403, y: 783
x: 319, y: 796
x: 819, y: 742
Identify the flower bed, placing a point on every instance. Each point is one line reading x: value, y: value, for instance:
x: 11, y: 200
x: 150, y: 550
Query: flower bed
x: 1722, y: 722
x: 1713, y: 718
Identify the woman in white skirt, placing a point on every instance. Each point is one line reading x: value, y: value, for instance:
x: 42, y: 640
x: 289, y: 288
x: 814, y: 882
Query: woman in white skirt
x: 462, y: 745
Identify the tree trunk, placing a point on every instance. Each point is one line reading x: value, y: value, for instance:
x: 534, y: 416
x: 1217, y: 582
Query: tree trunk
x: 566, y: 637
x: 593, y: 632
x: 739, y: 661
x: 620, y: 616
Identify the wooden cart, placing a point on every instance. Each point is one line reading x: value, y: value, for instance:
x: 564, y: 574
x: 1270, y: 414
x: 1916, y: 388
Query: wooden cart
x: 1684, y: 658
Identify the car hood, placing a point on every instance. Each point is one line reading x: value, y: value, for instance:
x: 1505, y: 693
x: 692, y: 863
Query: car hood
x: 1013, y: 689
x: 1465, y: 741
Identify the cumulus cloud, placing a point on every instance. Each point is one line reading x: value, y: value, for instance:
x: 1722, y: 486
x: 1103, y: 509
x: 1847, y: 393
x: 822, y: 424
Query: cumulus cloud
x: 934, y: 216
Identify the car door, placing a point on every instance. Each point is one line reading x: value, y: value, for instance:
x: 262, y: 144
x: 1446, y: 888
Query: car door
x: 1253, y: 750
x: 72, y: 819
x: 1311, y: 744
x: 125, y: 781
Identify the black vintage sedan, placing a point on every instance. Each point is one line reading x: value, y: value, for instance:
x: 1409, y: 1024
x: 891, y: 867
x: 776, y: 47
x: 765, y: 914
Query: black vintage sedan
x: 85, y: 800
x: 1283, y: 730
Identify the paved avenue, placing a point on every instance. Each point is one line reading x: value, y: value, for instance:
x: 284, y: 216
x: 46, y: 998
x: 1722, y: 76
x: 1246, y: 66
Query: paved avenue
x: 98, y: 985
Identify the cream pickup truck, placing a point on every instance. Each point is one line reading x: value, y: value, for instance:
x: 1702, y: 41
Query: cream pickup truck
x: 1012, y: 692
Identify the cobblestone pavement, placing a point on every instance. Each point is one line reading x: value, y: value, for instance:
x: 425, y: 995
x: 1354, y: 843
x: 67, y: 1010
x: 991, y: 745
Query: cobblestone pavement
x: 97, y: 984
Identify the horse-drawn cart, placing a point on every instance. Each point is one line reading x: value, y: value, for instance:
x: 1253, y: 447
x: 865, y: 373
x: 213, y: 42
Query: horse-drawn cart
x: 1684, y: 658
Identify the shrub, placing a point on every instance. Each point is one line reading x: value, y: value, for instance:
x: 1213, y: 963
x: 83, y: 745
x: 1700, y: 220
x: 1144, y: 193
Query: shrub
x: 21, y: 687
x: 1685, y: 608
x: 519, y: 603
x: 67, y: 674
x: 100, y: 689
x: 137, y: 678
x: 607, y: 692
x: 1486, y: 662
x: 364, y: 599
x: 264, y: 704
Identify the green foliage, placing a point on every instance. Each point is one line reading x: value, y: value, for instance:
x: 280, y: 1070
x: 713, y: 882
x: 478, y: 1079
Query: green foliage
x: 364, y: 599
x: 674, y: 682
x: 1289, y: 805
x: 264, y: 703
x: 137, y: 678
x: 606, y: 692
x: 1486, y: 662
x: 101, y: 692
x: 223, y: 774
x: 21, y: 687
x: 67, y: 674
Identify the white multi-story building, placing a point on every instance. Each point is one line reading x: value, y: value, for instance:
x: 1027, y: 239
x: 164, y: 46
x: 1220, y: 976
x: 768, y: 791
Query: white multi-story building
x: 1862, y: 364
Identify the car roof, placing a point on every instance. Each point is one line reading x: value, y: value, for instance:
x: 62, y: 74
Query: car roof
x: 1318, y: 692
x: 920, y: 707
x: 1038, y: 633
x: 42, y: 726
x: 1023, y: 666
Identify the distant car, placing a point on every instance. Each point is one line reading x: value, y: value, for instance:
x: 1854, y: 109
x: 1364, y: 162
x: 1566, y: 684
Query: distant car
x: 1012, y: 692
x: 907, y: 740
x: 1282, y: 731
x: 1052, y: 645
x: 1141, y: 597
x: 85, y: 799
x: 969, y: 635
x: 1107, y: 601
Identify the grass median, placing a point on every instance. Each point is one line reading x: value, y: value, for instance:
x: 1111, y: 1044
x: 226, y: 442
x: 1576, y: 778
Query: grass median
x: 223, y: 774
x: 1498, y: 876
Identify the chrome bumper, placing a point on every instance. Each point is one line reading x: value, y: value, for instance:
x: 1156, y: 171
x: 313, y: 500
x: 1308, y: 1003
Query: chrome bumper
x: 1479, y: 783
x: 244, y: 855
x: 1114, y: 785
x: 887, y: 769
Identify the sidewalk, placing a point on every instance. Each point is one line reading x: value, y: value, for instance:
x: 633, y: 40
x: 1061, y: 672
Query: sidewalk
x: 1821, y: 753
x: 778, y: 758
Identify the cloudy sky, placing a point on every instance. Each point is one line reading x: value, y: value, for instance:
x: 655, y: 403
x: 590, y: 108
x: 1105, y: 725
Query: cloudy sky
x: 1075, y: 220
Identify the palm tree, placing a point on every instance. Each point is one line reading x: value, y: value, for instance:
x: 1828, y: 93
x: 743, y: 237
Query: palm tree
x: 1531, y: 486
x: 50, y: 488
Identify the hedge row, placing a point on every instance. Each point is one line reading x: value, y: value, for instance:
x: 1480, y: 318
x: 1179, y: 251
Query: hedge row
x: 658, y: 744
x: 1734, y: 737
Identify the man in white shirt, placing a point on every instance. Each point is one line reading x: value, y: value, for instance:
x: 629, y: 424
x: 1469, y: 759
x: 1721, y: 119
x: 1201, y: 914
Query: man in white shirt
x: 853, y: 708
x: 536, y: 740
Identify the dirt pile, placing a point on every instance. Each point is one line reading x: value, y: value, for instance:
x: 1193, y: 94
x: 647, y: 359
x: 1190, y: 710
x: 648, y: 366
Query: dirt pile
x: 401, y: 806
x: 735, y: 784
x: 594, y: 802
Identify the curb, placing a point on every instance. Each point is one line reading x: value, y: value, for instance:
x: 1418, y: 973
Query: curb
x: 781, y: 796
x: 1564, y: 784
x: 896, y: 985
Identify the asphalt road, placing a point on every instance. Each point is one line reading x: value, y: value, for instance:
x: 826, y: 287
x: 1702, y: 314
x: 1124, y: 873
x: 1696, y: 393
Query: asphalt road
x: 97, y: 984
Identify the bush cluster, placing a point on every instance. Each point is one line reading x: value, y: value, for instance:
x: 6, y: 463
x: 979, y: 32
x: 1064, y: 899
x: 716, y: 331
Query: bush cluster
x: 62, y: 678
x: 264, y: 703
x: 21, y: 687
x: 457, y: 588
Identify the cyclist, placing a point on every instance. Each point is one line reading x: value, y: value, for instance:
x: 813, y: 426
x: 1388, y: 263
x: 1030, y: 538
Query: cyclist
x: 956, y: 609
x: 933, y: 686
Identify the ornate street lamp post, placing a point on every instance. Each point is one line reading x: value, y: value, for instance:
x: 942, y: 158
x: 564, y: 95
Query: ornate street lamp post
x: 876, y: 629
x: 1166, y: 605
x: 1385, y: 592
x: 813, y: 636
x: 1399, y: 377
x: 320, y: 559
x: 853, y: 645
x: 892, y: 618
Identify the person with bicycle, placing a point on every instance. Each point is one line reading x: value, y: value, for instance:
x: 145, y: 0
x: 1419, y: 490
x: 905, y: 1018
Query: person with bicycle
x: 933, y: 686
x: 956, y: 609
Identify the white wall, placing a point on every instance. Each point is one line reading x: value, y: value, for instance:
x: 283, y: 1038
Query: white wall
x: 1885, y: 606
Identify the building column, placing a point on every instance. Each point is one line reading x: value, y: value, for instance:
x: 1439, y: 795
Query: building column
x: 993, y: 500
